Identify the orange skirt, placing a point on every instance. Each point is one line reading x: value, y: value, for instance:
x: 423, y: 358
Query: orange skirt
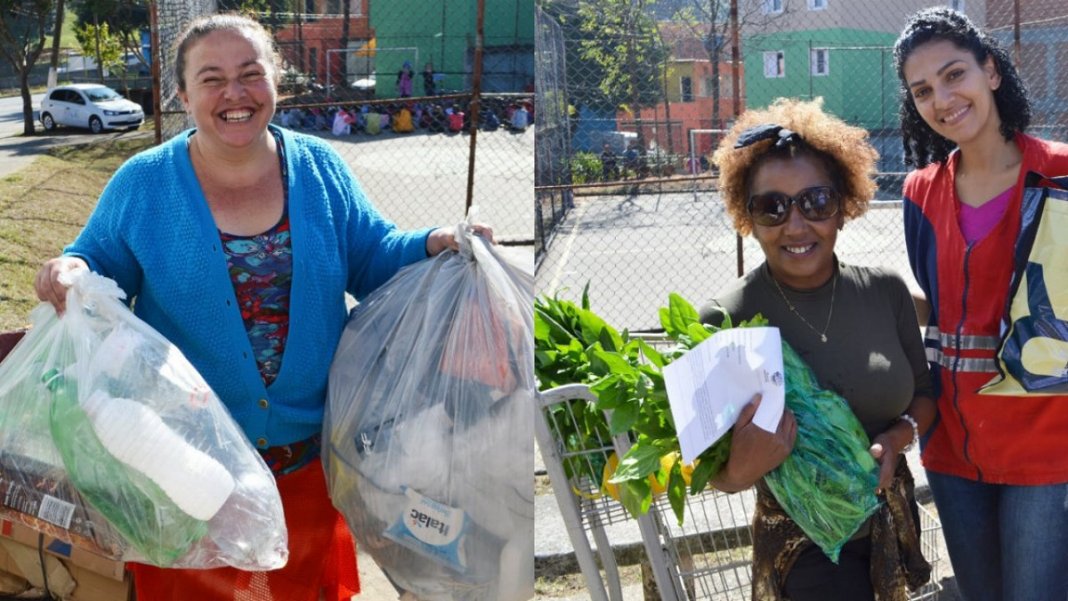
x: 322, y: 557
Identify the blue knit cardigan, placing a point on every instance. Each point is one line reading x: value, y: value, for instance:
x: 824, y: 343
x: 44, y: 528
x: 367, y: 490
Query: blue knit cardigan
x: 152, y: 232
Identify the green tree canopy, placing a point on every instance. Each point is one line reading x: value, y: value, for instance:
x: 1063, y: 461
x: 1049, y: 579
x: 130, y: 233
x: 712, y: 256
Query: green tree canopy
x: 614, y: 56
x: 98, y: 41
x: 125, y: 20
x: 24, y: 25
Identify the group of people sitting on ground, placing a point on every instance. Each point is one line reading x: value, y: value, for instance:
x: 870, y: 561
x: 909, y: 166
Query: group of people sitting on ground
x: 406, y: 118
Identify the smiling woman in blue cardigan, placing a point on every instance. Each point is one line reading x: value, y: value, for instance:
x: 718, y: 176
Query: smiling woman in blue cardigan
x: 237, y: 241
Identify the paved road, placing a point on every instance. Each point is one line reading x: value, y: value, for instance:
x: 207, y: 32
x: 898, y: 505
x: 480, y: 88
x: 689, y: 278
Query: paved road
x: 13, y: 155
x: 420, y: 179
x: 18, y: 151
x: 11, y: 114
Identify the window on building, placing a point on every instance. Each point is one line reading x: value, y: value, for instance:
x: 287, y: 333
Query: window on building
x: 725, y: 88
x: 686, y: 89
x: 774, y: 64
x: 820, y: 61
x: 817, y: 4
x: 772, y: 7
x: 337, y: 7
x: 957, y: 5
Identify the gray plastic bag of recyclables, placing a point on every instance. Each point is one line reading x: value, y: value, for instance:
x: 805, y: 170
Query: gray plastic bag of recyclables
x: 429, y: 451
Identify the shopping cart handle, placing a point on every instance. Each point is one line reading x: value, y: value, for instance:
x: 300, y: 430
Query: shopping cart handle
x: 566, y: 393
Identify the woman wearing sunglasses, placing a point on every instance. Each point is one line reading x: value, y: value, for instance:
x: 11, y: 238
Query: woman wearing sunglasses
x: 791, y: 176
x: 997, y: 465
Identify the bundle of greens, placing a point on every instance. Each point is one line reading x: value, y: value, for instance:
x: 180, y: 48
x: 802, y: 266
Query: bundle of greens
x: 574, y: 345
x: 565, y: 335
x: 826, y: 485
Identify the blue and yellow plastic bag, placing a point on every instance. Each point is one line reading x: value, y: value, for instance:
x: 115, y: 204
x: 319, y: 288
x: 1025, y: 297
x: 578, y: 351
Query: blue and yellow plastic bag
x: 1032, y: 355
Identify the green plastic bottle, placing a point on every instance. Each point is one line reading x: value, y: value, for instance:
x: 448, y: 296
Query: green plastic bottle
x: 137, y: 507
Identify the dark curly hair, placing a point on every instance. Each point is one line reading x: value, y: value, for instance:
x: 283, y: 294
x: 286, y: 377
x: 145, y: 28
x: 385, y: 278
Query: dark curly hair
x: 922, y: 145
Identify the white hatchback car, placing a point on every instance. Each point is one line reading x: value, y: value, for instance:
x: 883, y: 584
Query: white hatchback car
x: 89, y: 105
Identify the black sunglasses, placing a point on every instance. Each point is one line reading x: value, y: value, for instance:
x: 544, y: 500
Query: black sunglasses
x: 816, y: 204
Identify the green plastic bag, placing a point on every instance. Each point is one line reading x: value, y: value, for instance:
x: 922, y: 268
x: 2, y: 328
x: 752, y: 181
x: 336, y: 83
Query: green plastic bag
x: 827, y: 484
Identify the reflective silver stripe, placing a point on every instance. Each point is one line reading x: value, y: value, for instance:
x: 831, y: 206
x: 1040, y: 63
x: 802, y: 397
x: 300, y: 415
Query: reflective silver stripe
x: 969, y: 342
x: 969, y: 364
x: 966, y: 364
x: 934, y: 355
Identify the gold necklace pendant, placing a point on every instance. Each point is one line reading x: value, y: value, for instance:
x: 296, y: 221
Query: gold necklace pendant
x: 830, y: 312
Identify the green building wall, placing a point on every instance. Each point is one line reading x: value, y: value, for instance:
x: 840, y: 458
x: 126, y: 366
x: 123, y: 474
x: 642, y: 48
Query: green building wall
x: 860, y: 87
x: 443, y: 33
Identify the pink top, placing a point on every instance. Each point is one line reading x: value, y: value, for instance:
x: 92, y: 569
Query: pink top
x: 976, y: 222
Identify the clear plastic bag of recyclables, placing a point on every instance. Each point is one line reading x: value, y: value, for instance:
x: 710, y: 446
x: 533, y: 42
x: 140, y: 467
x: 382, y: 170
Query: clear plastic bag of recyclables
x: 111, y: 440
x: 827, y: 484
x: 427, y: 425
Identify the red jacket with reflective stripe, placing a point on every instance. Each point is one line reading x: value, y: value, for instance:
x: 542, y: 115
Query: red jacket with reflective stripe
x: 997, y: 439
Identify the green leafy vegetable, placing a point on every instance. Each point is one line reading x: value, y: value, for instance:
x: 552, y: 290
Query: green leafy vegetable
x: 827, y: 484
x: 574, y: 345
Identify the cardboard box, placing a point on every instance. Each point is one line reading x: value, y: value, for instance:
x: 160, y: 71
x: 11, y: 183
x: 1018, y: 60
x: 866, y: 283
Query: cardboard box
x: 40, y: 496
x: 37, y: 497
x: 70, y: 581
x: 74, y: 573
x: 90, y: 586
x: 109, y: 568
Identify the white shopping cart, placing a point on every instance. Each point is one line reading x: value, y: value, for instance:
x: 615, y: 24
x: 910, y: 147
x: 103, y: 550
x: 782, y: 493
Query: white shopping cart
x: 707, y: 558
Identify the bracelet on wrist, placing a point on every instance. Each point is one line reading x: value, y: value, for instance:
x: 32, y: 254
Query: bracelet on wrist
x: 905, y: 417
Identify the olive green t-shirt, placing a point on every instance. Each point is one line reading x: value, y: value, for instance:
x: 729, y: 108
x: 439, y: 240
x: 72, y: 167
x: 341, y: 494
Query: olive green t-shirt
x: 873, y: 357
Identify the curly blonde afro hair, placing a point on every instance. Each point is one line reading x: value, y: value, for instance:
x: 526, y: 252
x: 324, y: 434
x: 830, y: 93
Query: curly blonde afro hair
x: 842, y: 148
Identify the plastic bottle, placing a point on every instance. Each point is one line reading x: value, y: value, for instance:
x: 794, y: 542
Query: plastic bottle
x: 136, y: 436
x: 137, y: 507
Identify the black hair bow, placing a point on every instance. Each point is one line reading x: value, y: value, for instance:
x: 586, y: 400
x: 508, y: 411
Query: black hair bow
x: 768, y: 131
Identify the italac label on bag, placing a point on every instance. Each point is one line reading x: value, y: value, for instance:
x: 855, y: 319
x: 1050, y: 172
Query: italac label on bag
x: 431, y: 528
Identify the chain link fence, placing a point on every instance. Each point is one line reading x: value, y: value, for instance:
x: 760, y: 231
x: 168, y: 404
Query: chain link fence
x: 392, y: 86
x: 651, y: 85
x: 553, y: 147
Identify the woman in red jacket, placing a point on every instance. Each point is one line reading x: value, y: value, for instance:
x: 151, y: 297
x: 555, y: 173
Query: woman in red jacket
x: 997, y: 465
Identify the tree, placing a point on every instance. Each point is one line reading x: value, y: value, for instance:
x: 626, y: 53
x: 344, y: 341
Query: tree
x: 710, y: 21
x: 614, y: 55
x: 125, y: 20
x: 615, y: 58
x: 273, y: 14
x: 248, y: 7
x: 57, y: 31
x: 98, y: 41
x: 24, y: 25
